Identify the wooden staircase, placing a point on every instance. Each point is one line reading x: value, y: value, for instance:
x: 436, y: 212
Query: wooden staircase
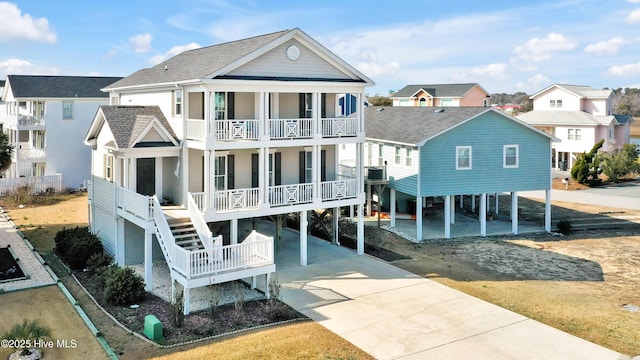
x: 185, y: 234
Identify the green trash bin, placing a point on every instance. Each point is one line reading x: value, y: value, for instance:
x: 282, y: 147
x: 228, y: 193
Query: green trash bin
x: 153, y: 328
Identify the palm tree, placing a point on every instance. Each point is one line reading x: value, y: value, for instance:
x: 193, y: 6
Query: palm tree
x: 6, y: 150
x: 29, y: 330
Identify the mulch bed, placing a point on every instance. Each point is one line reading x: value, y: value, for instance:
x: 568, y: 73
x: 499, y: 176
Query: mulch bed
x: 9, y: 267
x: 197, y: 325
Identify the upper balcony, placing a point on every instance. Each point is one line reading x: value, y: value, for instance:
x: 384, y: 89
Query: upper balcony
x: 251, y: 117
x: 22, y: 122
x: 26, y: 152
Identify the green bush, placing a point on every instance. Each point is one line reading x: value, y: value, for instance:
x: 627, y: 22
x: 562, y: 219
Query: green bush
x: 76, y: 245
x: 98, y: 266
x: 123, y: 286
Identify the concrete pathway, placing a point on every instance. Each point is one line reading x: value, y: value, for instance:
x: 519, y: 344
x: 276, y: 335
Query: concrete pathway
x: 393, y: 314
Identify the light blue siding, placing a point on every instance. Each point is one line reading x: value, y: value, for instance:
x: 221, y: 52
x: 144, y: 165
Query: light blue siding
x: 486, y: 134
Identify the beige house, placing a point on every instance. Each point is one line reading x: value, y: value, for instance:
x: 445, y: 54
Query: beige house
x: 441, y: 95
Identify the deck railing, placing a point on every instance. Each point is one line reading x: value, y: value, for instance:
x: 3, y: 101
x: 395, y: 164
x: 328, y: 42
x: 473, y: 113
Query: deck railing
x: 195, y: 129
x: 137, y: 204
x: 38, y: 184
x: 200, y: 224
x: 290, y: 128
x: 336, y: 127
x: 290, y: 194
x: 339, y: 189
x: 227, y: 130
x: 236, y: 199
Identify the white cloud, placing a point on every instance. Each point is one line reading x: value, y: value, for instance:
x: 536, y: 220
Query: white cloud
x: 633, y: 1
x: 111, y: 53
x: 157, y: 59
x: 538, y: 49
x: 16, y: 26
x: 633, y: 17
x: 534, y: 83
x: 607, y: 47
x: 475, y: 74
x: 625, y: 70
x: 373, y: 69
x: 23, y: 67
x: 141, y: 43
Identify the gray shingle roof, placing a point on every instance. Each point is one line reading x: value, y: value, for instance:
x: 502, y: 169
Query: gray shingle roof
x: 411, y: 125
x: 197, y: 63
x: 551, y: 117
x: 582, y: 91
x: 435, y: 90
x: 39, y: 86
x: 127, y: 122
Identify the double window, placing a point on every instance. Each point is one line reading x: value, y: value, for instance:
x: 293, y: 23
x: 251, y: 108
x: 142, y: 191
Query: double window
x: 510, y: 156
x: 463, y: 157
x: 574, y: 134
x: 555, y: 103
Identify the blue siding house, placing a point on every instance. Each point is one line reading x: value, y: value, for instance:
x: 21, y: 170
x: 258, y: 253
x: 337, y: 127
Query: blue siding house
x: 441, y: 153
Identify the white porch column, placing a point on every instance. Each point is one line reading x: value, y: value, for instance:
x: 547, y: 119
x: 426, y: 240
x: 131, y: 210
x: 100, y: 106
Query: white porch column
x: 148, y: 259
x: 336, y: 221
x: 120, y: 241
x: 497, y: 203
x: 483, y: 214
x: 461, y: 201
x: 452, y: 202
x: 303, y: 238
x: 369, y: 199
x: 360, y: 230
x: 233, y: 233
x: 547, y: 211
x: 187, y: 300
x: 419, y: 218
x: 473, y: 203
x: 514, y: 212
x: 263, y: 181
x: 351, y: 213
x: 133, y: 182
x: 392, y: 205
x: 207, y: 179
x: 316, y: 174
x: 447, y: 217
x: 158, y: 178
x: 184, y: 176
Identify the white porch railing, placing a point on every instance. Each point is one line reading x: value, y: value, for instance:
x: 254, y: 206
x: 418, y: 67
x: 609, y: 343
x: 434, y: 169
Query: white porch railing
x: 195, y: 129
x: 237, y: 129
x: 339, y: 189
x: 255, y: 250
x: 335, y: 127
x: 24, y: 153
x: 164, y: 235
x: 290, y: 128
x: 134, y: 203
x: 200, y: 225
x: 290, y: 194
x: 237, y: 199
x: 200, y: 200
x: 14, y: 121
x: 38, y: 184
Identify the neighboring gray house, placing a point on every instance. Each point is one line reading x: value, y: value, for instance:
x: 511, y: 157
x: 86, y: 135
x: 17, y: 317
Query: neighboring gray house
x: 46, y: 118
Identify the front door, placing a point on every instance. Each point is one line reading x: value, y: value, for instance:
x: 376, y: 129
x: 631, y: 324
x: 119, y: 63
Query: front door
x: 146, y: 176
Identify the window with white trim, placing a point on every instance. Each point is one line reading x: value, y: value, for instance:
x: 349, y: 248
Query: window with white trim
x: 574, y: 134
x: 220, y: 173
x: 380, y: 154
x: 308, y: 166
x: 67, y: 110
x: 555, y: 103
x: 177, y: 102
x: 408, y: 159
x: 510, y: 156
x: 108, y: 167
x: 397, y: 158
x: 463, y: 158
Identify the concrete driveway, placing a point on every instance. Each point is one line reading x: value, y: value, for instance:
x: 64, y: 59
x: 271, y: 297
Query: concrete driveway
x: 393, y: 314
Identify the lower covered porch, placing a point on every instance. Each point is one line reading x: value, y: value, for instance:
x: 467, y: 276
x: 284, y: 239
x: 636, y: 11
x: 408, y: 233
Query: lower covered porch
x: 449, y: 216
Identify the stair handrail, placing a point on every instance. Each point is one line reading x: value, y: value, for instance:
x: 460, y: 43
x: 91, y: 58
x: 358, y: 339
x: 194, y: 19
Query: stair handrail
x: 163, y: 232
x: 200, y: 225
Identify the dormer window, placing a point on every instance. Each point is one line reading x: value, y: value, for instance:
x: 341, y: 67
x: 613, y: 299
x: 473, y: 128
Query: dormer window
x: 555, y: 104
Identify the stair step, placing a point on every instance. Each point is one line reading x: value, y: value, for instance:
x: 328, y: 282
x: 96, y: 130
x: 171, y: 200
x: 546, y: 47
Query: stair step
x: 184, y: 229
x: 193, y: 247
x: 186, y: 236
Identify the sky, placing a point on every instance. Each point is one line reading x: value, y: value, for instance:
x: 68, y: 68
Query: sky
x: 505, y: 46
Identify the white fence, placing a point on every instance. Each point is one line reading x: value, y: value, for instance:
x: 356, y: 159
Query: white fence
x: 37, y: 184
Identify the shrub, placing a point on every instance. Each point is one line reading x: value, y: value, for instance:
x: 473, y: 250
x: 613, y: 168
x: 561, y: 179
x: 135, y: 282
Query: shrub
x: 29, y: 330
x: 75, y: 246
x: 123, y: 286
x: 98, y: 265
x: 564, y: 226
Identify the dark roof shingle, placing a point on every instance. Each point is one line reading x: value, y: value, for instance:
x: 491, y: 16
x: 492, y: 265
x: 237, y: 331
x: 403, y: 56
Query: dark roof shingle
x: 435, y: 90
x: 42, y: 86
x: 127, y: 122
x: 411, y: 125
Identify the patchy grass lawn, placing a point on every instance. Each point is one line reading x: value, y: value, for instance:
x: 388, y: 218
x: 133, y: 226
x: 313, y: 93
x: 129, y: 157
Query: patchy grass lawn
x: 302, y: 340
x: 51, y: 307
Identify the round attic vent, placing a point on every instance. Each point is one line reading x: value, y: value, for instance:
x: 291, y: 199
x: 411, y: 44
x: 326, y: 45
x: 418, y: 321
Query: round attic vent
x: 293, y: 52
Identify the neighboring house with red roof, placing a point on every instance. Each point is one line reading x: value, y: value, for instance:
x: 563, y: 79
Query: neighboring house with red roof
x: 441, y: 95
x: 580, y: 116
